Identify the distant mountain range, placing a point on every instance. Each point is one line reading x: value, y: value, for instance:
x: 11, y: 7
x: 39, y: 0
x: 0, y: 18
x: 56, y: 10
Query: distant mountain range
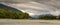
x: 2, y: 6
x: 37, y: 16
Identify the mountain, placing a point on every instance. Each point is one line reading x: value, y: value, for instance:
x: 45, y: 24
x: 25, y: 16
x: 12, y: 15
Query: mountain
x: 5, y: 12
x: 2, y: 6
x: 46, y: 15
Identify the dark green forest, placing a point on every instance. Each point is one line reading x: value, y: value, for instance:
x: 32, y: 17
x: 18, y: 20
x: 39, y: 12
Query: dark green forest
x: 8, y: 14
x: 50, y: 17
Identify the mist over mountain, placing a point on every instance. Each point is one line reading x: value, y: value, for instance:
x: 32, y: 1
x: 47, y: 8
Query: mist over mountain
x: 35, y: 7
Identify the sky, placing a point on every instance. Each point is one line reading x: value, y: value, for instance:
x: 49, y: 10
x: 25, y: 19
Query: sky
x: 35, y: 7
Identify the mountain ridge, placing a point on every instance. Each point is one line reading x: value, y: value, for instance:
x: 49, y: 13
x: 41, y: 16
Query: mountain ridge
x: 2, y: 6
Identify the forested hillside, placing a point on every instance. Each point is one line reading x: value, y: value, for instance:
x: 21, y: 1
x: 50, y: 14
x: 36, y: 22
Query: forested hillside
x: 7, y: 14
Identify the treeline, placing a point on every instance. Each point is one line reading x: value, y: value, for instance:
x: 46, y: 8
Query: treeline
x: 8, y: 14
x: 51, y: 17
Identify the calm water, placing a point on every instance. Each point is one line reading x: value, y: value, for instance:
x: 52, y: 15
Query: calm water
x: 27, y: 21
